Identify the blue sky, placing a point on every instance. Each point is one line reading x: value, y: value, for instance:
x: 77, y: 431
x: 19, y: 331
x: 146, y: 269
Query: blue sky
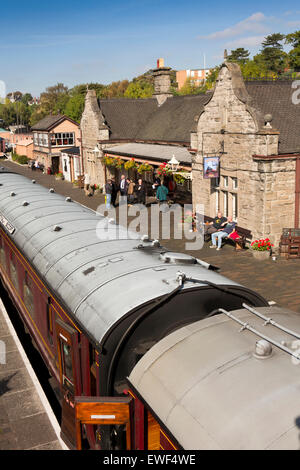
x: 74, y: 41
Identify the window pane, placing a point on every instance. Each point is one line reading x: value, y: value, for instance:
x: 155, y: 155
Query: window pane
x: 67, y: 364
x: 14, y: 274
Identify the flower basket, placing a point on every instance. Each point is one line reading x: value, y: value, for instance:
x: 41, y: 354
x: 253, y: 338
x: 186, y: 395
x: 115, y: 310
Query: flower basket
x: 262, y: 248
x: 59, y: 176
x: 145, y: 167
x: 163, y: 170
x: 119, y: 163
x: 109, y: 161
x: 131, y: 164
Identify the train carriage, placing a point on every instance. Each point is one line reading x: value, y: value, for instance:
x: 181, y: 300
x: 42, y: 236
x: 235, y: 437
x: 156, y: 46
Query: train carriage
x: 96, y: 300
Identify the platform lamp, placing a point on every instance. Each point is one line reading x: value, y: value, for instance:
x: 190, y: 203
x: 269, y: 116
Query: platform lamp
x: 173, y: 164
x: 96, y: 151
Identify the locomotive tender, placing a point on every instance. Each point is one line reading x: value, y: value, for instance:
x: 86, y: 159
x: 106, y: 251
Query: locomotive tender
x: 134, y: 335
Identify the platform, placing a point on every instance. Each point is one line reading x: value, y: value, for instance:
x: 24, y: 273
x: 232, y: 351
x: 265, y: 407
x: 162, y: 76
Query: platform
x: 27, y: 421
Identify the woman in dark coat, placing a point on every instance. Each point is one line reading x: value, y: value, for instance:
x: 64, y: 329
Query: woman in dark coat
x: 141, y: 191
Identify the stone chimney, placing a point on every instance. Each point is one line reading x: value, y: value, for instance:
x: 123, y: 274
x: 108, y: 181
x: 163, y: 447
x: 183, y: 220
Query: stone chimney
x: 162, y: 82
x: 92, y: 116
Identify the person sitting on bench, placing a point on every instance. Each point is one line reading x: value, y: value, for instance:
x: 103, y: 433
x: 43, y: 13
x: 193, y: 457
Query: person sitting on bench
x: 214, y: 225
x: 227, y: 229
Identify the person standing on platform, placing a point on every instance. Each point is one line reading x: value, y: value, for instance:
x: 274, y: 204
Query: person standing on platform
x: 130, y: 191
x: 114, y: 192
x: 141, y: 192
x: 108, y: 193
x: 161, y: 193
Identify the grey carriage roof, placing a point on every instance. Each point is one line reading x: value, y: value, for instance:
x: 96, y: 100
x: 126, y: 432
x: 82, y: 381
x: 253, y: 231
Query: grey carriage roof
x: 204, y: 383
x: 98, y: 276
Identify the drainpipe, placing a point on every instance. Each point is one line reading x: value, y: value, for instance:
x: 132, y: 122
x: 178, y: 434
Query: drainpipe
x: 297, y: 192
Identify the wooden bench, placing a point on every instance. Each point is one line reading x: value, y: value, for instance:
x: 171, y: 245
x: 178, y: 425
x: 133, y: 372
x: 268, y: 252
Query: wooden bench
x: 244, y: 234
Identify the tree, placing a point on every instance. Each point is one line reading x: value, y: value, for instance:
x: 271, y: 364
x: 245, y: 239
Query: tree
x: 139, y: 89
x: 54, y: 99
x: 212, y: 77
x: 190, y: 88
x: 294, y: 54
x: 75, y: 106
x: 239, y: 55
x: 272, y: 54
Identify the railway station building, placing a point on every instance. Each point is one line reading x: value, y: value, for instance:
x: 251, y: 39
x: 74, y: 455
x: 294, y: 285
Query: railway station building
x: 250, y: 128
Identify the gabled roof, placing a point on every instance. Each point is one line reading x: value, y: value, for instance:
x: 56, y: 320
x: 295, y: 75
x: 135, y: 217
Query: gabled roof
x: 48, y: 122
x: 276, y: 98
x: 143, y: 119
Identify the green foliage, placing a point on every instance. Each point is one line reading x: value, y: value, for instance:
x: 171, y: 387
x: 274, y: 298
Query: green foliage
x: 190, y: 88
x: 139, y: 89
x: 239, y: 55
x: 74, y: 107
x: 272, y: 54
x: 294, y: 54
x: 22, y: 159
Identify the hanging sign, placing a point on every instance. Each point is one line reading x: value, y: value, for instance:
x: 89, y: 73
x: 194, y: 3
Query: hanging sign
x: 211, y: 167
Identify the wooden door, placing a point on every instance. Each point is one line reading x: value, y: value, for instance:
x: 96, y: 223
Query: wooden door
x: 70, y: 378
x: 103, y: 411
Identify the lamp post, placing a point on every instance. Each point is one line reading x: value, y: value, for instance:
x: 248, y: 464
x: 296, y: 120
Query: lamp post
x: 173, y: 164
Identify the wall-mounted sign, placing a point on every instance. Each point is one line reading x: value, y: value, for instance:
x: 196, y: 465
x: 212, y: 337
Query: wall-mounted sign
x: 6, y: 224
x: 211, y: 167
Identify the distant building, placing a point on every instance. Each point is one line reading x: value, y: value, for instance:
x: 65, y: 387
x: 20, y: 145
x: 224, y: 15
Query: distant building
x: 196, y: 76
x: 51, y: 136
x: 25, y: 147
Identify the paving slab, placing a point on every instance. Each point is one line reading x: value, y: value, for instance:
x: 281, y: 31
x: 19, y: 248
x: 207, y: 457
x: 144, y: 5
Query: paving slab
x: 26, y: 419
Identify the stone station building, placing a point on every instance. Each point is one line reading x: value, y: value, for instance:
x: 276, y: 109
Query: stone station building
x: 253, y: 127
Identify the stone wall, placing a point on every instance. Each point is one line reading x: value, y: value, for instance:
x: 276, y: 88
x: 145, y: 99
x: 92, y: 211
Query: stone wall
x: 231, y: 128
x: 93, y: 129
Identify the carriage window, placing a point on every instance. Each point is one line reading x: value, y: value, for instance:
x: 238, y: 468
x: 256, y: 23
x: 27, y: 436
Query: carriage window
x: 67, y: 365
x: 49, y: 313
x: 13, y: 271
x: 28, y: 294
x: 2, y: 254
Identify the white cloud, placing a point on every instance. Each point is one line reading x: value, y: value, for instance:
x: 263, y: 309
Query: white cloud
x: 251, y: 41
x: 254, y: 24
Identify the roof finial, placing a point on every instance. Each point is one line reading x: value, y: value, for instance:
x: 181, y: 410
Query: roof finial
x: 225, y: 54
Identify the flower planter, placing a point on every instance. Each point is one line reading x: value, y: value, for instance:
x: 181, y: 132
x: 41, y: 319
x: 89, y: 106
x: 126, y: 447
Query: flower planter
x: 261, y: 255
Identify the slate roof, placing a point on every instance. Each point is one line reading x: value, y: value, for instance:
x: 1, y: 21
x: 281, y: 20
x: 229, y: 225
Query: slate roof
x: 48, y: 122
x: 276, y: 98
x: 143, y: 119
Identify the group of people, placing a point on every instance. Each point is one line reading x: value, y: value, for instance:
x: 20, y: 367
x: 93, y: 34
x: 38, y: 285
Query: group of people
x: 135, y: 192
x: 126, y: 188
x: 219, y: 228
